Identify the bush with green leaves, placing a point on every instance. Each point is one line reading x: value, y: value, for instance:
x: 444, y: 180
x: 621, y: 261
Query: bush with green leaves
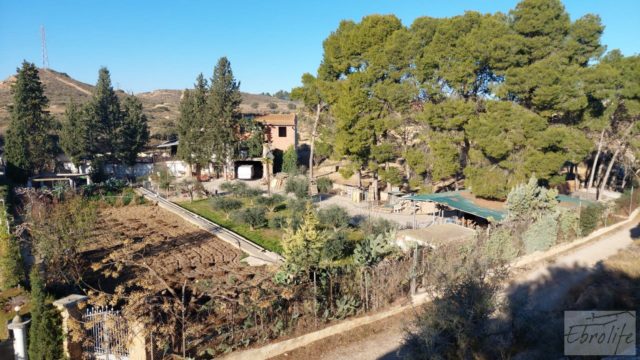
x: 272, y: 105
x: 270, y: 202
x: 373, y: 248
x: 225, y: 204
x: 290, y: 161
x: 324, y: 185
x: 338, y: 246
x: 501, y: 245
x: 376, y: 226
x: 568, y: 225
x: 591, y: 218
x: 531, y: 201
x: 291, y: 106
x: 393, y: 176
x: 296, y: 208
x: 235, y: 188
x: 298, y: 186
x: 334, y: 216
x: 278, y: 221
x: 541, y: 235
x: 254, y: 216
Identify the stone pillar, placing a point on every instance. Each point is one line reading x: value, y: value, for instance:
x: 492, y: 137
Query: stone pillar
x: 68, y: 307
x: 19, y: 329
x: 137, y: 342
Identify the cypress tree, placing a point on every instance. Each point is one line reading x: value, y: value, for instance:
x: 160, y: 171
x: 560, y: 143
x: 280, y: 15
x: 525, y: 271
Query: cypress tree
x: 290, y: 161
x: 133, y: 132
x: 223, y: 115
x: 195, y: 148
x: 45, y: 335
x: 28, y: 144
x: 75, y: 138
x: 106, y: 115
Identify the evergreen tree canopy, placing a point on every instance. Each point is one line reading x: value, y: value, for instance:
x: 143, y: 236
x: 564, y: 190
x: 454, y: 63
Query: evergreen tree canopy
x: 28, y: 146
x: 223, y: 111
x: 133, y: 132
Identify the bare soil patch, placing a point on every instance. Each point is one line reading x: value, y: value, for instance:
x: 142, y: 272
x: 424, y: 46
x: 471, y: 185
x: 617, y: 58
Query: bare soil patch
x: 173, y: 248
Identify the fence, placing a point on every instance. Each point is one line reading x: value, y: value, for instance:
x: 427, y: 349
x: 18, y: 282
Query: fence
x: 107, y: 334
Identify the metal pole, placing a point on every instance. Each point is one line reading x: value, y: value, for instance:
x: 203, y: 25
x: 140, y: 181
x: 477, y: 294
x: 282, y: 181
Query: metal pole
x: 631, y: 200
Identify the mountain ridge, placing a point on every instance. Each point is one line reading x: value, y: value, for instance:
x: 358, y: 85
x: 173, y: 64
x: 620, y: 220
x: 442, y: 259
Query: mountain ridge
x: 161, y: 106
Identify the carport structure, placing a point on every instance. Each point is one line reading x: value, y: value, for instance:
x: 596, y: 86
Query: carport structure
x: 463, y: 202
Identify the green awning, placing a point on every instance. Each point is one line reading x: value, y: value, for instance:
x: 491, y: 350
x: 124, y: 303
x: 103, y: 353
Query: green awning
x: 455, y: 200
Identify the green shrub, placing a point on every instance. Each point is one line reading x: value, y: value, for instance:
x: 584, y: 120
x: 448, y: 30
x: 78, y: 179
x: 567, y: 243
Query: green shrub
x: 140, y: 200
x: 568, y: 225
x: 11, y: 271
x: 334, y: 216
x: 590, y: 218
x: 298, y: 186
x: 291, y: 106
x: 290, y: 161
x: 278, y: 221
x: 338, y: 246
x: 127, y: 196
x: 501, y: 245
x: 393, y: 175
x: 324, y: 185
x: 270, y: 202
x: 272, y: 105
x: 377, y: 226
x: 253, y: 216
x: 225, y: 204
x: 541, y: 235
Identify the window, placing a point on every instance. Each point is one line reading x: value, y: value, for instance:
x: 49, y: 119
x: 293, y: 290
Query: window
x: 282, y: 131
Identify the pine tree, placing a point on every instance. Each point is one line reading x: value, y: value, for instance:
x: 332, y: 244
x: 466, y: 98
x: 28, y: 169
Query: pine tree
x: 223, y: 115
x: 28, y: 145
x: 75, y: 135
x: 45, y: 334
x: 133, y: 132
x: 106, y: 116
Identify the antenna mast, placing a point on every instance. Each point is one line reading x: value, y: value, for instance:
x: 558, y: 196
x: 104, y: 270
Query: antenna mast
x: 45, y: 57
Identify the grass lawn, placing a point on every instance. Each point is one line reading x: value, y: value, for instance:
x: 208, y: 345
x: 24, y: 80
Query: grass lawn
x: 6, y: 316
x: 265, y: 237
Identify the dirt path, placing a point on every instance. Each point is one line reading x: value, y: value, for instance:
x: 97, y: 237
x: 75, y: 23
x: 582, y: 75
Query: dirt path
x: 383, y: 339
x: 66, y: 82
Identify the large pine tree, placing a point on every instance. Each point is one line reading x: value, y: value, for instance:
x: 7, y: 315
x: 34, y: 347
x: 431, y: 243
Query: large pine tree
x: 28, y: 143
x: 223, y: 115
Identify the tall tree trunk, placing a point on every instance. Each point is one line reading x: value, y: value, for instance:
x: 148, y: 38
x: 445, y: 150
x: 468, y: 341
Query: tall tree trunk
x: 375, y: 186
x: 314, y: 134
x: 595, y: 160
x: 607, y: 173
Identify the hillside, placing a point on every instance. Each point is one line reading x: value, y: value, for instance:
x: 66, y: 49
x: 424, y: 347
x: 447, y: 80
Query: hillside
x: 161, y: 106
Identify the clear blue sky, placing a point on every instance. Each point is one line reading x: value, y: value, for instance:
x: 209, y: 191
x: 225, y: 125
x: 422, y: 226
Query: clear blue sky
x: 151, y: 45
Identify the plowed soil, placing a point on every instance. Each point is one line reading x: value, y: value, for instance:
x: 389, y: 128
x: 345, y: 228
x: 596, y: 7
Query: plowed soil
x: 173, y: 248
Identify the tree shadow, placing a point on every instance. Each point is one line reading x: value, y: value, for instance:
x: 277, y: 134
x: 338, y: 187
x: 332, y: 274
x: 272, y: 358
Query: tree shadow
x: 530, y: 324
x: 635, y: 232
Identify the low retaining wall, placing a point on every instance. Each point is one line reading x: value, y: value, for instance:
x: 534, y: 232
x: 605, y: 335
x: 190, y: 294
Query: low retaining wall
x: 561, y: 248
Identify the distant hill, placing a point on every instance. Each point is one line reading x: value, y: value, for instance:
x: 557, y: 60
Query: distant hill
x: 161, y: 106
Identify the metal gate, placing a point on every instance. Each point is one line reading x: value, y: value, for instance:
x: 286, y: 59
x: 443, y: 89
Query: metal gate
x: 108, y: 334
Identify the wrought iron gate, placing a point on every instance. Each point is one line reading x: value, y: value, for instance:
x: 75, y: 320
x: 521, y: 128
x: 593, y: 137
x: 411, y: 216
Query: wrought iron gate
x: 107, y: 333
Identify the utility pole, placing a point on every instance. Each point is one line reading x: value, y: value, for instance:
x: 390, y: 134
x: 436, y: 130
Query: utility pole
x: 45, y: 57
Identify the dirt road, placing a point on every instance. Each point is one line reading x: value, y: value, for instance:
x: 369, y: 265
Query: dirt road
x: 383, y: 339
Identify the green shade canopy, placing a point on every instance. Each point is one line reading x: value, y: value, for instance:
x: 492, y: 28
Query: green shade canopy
x: 455, y: 200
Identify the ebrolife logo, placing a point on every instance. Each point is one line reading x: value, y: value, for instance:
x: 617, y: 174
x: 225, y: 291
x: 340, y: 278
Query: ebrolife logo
x: 599, y: 333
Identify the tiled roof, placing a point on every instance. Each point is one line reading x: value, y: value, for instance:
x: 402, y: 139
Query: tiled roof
x: 277, y: 119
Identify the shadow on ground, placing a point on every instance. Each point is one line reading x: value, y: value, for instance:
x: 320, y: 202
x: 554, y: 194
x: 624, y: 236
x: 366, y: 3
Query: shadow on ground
x: 531, y: 323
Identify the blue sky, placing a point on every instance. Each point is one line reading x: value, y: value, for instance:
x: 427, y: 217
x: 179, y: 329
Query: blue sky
x: 151, y: 45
